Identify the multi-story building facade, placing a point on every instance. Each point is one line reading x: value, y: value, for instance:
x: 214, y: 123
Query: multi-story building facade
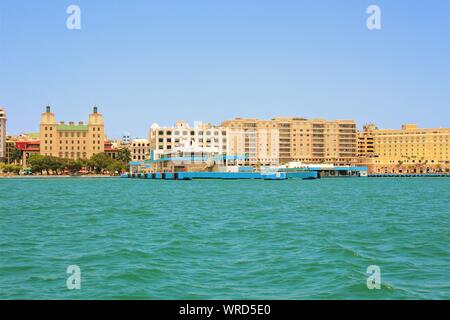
x: 27, y: 148
x: 70, y: 140
x: 139, y: 149
x: 2, y: 134
x: 282, y: 140
x: 10, y: 149
x: 253, y: 142
x: 205, y: 135
x: 408, y: 150
x: 111, y: 149
x: 366, y: 142
x: 20, y: 147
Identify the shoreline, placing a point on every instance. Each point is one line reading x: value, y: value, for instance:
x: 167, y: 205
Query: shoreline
x: 57, y: 177
x: 100, y: 176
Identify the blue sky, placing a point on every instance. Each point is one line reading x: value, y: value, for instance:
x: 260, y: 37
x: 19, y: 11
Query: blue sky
x: 159, y: 61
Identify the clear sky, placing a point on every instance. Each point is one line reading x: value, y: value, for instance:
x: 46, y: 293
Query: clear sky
x: 158, y: 61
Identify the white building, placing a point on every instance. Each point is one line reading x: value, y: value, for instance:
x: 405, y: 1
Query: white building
x: 2, y: 134
x: 126, y: 138
x: 202, y: 135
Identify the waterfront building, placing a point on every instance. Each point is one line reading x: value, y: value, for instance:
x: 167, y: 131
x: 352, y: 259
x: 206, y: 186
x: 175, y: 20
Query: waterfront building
x: 111, y: 149
x: 3, y: 135
x: 27, y: 148
x: 26, y: 143
x: 10, y: 148
x: 203, y: 135
x: 366, y: 141
x: 188, y: 156
x: 282, y: 140
x: 407, y: 150
x: 70, y: 140
x: 139, y: 149
x: 258, y: 140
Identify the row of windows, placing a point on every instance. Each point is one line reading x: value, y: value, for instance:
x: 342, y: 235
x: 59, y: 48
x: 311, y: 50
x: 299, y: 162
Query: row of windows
x: 138, y: 157
x: 72, y: 148
x: 192, y: 133
x: 141, y: 145
x: 51, y: 129
x: 77, y: 155
x: 71, y: 141
x: 169, y: 147
x: 410, y: 161
x: 412, y: 141
x: 410, y: 134
x: 146, y: 151
x: 71, y: 134
x: 209, y: 140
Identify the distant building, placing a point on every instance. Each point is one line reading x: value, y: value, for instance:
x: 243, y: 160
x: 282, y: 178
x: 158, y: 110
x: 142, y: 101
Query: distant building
x: 407, y: 150
x: 187, y: 156
x: 257, y: 140
x: 10, y: 147
x: 139, y: 150
x: 203, y: 135
x: 111, y: 149
x: 70, y: 140
x: 28, y: 148
x: 126, y: 138
x: 366, y: 146
x: 26, y: 143
x: 2, y: 134
x: 282, y: 140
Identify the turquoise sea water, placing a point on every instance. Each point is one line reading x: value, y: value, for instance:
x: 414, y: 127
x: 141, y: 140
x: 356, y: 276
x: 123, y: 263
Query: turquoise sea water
x: 220, y: 239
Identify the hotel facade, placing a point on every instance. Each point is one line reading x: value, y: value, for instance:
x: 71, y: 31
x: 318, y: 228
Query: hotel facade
x: 203, y: 135
x: 254, y: 142
x: 282, y: 140
x: 407, y: 150
x: 71, y: 140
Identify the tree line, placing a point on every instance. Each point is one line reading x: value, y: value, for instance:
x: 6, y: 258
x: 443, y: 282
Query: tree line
x: 10, y: 168
x: 99, y: 163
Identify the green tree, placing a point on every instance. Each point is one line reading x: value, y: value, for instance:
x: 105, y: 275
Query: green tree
x: 40, y: 163
x: 11, y: 168
x: 16, y: 155
x: 36, y: 163
x: 116, y: 166
x: 124, y: 155
x: 74, y: 165
x: 99, y: 162
x: 56, y: 165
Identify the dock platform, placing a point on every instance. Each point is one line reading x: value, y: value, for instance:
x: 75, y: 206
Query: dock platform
x: 223, y: 175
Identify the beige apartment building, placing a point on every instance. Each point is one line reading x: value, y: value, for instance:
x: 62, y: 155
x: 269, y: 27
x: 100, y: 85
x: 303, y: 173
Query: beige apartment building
x: 407, y: 150
x: 2, y: 134
x: 203, y: 135
x: 71, y: 140
x: 139, y: 149
x: 282, y: 140
x: 254, y: 142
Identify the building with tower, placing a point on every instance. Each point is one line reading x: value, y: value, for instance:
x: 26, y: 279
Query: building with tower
x: 71, y: 140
